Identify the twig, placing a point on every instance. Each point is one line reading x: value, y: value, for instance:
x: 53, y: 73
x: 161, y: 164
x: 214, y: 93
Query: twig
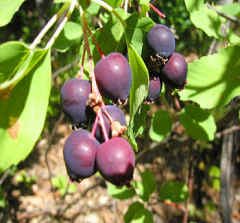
x: 5, y: 175
x: 61, y: 25
x: 190, y: 182
x: 226, y: 16
x: 65, y: 68
x: 157, y: 11
x: 48, y: 26
x: 228, y: 131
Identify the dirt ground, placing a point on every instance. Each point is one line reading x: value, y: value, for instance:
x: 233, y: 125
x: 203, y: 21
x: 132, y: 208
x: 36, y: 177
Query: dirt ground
x: 38, y: 201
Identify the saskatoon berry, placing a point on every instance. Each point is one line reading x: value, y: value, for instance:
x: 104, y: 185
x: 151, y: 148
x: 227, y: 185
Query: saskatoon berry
x: 116, y: 161
x: 79, y: 154
x: 154, y: 89
x: 162, y: 40
x: 74, y: 97
x: 175, y: 71
x: 114, y: 76
x: 117, y: 115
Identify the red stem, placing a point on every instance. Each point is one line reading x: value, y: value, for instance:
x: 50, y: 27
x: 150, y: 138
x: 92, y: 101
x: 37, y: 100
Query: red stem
x: 95, y: 125
x: 157, y: 10
x: 95, y: 42
x: 102, y: 124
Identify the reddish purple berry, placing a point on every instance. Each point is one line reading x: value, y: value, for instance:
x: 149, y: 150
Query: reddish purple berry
x: 114, y: 76
x: 79, y: 154
x: 116, y: 161
x: 175, y: 71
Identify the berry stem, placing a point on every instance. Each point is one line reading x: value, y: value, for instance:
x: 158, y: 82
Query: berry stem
x: 157, y: 11
x: 102, y: 124
x: 95, y: 89
x: 95, y: 41
x: 95, y: 124
x: 81, y: 72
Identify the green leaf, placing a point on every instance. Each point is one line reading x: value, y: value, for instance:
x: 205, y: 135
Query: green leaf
x: 114, y: 3
x: 136, y: 31
x: 72, y: 34
x: 214, y: 80
x: 20, y: 129
x: 198, y: 123
x: 140, y: 120
x: 139, y: 88
x: 161, y: 125
x: 147, y: 186
x: 12, y: 56
x: 230, y: 8
x: 214, y: 171
x: 122, y: 193
x: 8, y: 9
x: 136, y: 213
x: 204, y: 18
x: 144, y: 6
x: 60, y: 182
x: 174, y: 191
x: 61, y: 1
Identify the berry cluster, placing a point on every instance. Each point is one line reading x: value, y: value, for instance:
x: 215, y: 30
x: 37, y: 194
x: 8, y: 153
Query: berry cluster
x: 163, y: 63
x: 105, y: 149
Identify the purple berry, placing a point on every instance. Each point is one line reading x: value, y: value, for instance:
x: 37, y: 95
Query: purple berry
x: 154, y: 89
x: 114, y: 76
x: 175, y: 71
x: 116, y: 161
x: 74, y: 97
x: 117, y: 115
x: 162, y: 40
x: 79, y: 154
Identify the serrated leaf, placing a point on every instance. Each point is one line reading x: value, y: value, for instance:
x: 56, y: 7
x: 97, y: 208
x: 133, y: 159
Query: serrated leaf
x: 20, y: 129
x: 198, y: 123
x: 8, y: 9
x: 161, y: 125
x: 204, y: 18
x: 72, y: 34
x: 136, y: 213
x: 174, y: 191
x: 122, y: 193
x: 147, y: 186
x: 139, y: 88
x: 213, y: 80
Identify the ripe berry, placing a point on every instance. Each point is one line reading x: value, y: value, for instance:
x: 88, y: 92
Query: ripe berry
x: 74, y: 97
x: 175, y: 71
x: 162, y: 40
x: 114, y: 76
x: 116, y: 161
x: 154, y: 89
x: 117, y: 115
x: 79, y: 155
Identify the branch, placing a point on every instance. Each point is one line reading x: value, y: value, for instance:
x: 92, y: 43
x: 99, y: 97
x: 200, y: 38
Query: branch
x: 61, y: 25
x: 48, y: 26
x: 224, y: 15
